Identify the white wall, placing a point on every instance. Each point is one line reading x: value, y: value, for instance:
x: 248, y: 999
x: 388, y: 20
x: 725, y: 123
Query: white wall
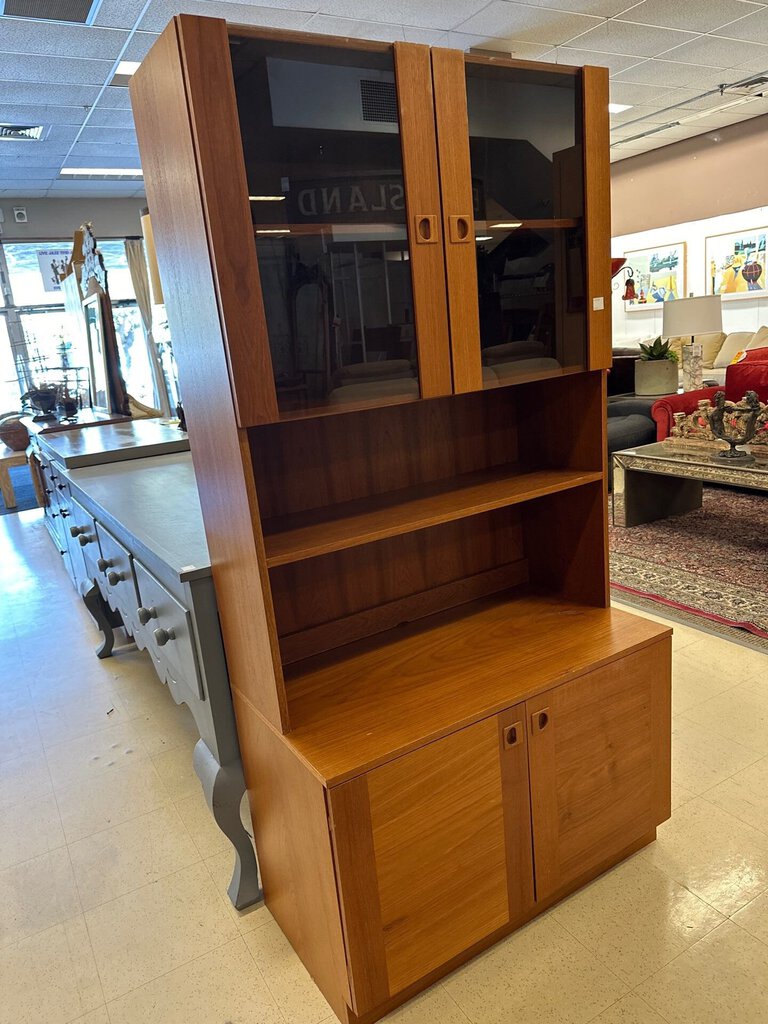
x: 629, y: 328
x: 52, y: 219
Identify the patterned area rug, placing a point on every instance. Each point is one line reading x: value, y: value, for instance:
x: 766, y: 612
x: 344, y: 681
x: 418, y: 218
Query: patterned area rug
x: 711, y: 564
x: 23, y: 490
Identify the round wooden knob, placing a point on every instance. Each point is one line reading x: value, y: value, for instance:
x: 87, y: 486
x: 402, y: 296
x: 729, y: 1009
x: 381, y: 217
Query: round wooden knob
x: 83, y: 539
x: 114, y: 578
x: 145, y: 614
x: 74, y: 531
x: 162, y: 636
x: 103, y: 564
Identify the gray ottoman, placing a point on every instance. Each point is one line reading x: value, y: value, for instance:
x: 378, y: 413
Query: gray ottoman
x: 629, y: 425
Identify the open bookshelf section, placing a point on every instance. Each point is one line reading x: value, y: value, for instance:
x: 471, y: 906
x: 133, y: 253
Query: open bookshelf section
x: 321, y: 531
x: 374, y: 700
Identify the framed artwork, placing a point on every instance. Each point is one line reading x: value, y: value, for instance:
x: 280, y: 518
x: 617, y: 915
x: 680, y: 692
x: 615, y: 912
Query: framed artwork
x: 94, y: 326
x: 735, y: 263
x: 654, y: 276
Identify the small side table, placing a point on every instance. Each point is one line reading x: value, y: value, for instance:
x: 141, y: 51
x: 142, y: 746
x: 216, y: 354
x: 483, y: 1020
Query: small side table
x: 8, y: 459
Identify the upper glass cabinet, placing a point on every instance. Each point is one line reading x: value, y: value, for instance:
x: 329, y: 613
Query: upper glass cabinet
x: 321, y: 135
x: 525, y: 238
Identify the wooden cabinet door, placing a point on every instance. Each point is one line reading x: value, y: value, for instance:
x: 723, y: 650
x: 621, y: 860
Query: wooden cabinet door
x: 512, y: 171
x: 433, y: 854
x: 599, y: 765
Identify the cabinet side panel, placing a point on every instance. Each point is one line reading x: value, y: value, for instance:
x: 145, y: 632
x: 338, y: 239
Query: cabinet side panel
x: 456, y: 187
x: 597, y: 203
x: 437, y: 817
x: 220, y: 452
x: 662, y: 731
x: 422, y: 195
x: 292, y: 838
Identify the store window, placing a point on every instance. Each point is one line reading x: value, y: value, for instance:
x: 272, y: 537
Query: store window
x: 9, y: 388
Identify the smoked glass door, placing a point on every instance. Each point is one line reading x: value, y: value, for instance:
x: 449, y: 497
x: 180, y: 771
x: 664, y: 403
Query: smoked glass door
x: 345, y: 220
x: 512, y: 169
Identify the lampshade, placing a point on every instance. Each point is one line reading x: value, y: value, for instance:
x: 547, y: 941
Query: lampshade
x: 149, y: 247
x: 700, y: 315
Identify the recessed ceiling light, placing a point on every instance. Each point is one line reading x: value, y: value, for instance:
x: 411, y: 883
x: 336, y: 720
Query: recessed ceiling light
x: 266, y: 199
x: 508, y: 225
x: 103, y: 172
x: 273, y: 231
x: 484, y: 238
x: 127, y: 67
x: 618, y: 108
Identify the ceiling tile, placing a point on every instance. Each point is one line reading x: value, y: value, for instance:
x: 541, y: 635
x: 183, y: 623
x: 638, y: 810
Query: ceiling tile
x: 754, y: 28
x: 103, y: 117
x: 84, y: 152
x: 34, y: 92
x: 722, y: 53
x: 674, y: 74
x: 20, y: 35
x: 504, y: 20
x: 440, y: 14
x: 21, y: 113
x: 600, y: 8
x: 633, y: 40
x: 692, y: 15
x: 356, y: 29
x: 289, y: 13
x: 140, y: 45
x: 648, y: 115
x: 615, y: 62
x: 34, y: 176
x: 649, y: 95
x: 115, y: 98
x: 118, y: 13
x: 19, y: 67
x: 428, y: 36
x: 513, y: 47
x: 108, y: 136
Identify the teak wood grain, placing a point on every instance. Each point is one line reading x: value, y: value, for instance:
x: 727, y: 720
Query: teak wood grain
x: 296, y: 865
x: 309, y: 534
x: 456, y: 191
x: 358, y: 707
x: 422, y: 199
x: 176, y: 190
x: 597, y: 780
x: 597, y: 210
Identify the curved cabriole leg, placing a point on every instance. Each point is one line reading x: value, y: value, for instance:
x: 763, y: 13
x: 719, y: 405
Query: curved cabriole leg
x: 224, y: 788
x: 100, y: 613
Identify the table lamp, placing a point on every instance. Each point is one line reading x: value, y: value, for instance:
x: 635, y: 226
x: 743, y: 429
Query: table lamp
x: 702, y: 314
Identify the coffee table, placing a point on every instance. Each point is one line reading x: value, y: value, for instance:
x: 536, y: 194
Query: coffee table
x: 663, y: 479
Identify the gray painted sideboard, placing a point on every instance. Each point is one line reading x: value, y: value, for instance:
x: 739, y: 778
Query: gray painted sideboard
x: 130, y: 533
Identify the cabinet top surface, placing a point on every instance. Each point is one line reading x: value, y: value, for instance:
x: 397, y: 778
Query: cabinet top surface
x: 113, y: 442
x: 155, y: 500
x: 373, y: 700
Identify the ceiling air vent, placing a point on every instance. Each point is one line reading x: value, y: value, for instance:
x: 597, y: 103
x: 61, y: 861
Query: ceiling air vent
x: 21, y: 132
x: 79, y: 12
x: 379, y: 101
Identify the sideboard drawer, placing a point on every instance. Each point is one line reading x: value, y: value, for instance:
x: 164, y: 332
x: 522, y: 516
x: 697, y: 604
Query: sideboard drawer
x: 117, y: 576
x: 82, y: 532
x: 167, y: 629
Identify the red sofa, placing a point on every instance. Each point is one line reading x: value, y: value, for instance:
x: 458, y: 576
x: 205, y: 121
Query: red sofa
x: 751, y: 374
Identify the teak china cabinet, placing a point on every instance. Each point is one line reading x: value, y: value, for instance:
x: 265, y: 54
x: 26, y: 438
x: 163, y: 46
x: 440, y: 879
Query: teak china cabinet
x: 387, y: 271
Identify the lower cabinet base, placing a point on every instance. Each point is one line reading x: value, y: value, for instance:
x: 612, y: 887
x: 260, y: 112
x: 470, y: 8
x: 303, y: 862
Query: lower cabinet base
x: 383, y: 1009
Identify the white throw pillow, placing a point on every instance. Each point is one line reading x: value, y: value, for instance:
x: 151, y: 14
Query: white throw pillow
x: 735, y: 342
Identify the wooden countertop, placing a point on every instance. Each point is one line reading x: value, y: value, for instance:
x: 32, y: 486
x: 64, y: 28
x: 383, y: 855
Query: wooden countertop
x: 155, y: 499
x: 96, y: 443
x: 371, y: 701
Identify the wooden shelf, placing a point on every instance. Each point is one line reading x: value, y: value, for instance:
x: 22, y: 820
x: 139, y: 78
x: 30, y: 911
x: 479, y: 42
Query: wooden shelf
x: 302, y: 535
x: 373, y: 700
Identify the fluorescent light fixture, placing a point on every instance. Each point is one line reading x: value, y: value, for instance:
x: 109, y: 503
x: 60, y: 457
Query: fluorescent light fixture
x: 104, y: 172
x: 273, y: 231
x: 483, y: 238
x: 128, y: 67
x: 266, y: 199
x: 619, y: 108
x: 508, y: 225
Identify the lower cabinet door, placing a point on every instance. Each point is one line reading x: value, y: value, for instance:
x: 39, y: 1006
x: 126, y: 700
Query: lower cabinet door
x: 433, y: 854
x: 599, y: 765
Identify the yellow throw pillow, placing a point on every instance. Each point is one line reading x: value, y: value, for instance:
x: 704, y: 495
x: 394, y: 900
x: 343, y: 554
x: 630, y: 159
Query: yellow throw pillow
x: 711, y: 345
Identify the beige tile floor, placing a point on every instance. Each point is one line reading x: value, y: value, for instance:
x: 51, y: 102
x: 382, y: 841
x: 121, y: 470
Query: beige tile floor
x: 113, y: 875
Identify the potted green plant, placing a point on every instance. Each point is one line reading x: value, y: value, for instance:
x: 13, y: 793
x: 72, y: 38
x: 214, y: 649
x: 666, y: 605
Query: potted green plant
x: 656, y: 369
